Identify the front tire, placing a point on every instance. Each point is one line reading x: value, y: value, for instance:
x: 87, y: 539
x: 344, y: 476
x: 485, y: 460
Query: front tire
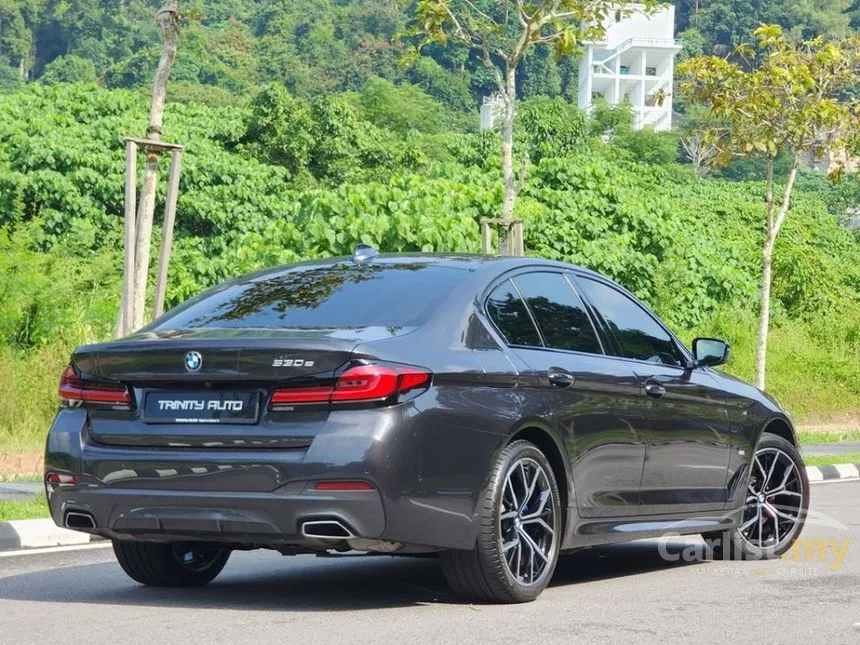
x: 775, y: 506
x: 170, y: 565
x: 520, y: 529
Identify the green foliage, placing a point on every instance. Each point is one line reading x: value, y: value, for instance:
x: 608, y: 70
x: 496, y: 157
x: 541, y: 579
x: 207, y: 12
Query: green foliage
x: 69, y: 69
x: 693, y: 44
x: 61, y: 296
x: 611, y: 118
x: 322, y: 139
x: 442, y: 84
x: 647, y: 146
x: 401, y: 108
x: 9, y: 76
x: 540, y: 75
x: 783, y: 98
x: 552, y: 127
x: 727, y: 23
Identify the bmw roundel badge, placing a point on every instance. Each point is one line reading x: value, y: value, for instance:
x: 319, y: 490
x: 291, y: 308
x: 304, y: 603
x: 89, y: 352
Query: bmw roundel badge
x: 193, y: 361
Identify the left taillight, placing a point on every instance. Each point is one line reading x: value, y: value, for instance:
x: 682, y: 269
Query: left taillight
x: 76, y: 391
x: 359, y: 384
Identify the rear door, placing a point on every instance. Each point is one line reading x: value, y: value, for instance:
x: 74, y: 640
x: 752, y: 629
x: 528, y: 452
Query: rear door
x: 595, y: 400
x: 689, y: 437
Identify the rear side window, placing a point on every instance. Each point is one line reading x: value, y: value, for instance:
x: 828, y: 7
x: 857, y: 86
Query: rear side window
x: 638, y: 334
x: 334, y: 296
x: 508, y: 311
x: 559, y: 312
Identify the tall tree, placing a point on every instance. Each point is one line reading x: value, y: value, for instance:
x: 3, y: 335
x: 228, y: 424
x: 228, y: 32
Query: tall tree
x: 502, y: 32
x: 784, y: 99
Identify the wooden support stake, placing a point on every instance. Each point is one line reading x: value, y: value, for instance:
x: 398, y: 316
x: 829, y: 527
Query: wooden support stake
x: 167, y: 234
x: 130, y: 234
x: 518, y: 245
x: 485, y: 237
x: 510, y: 236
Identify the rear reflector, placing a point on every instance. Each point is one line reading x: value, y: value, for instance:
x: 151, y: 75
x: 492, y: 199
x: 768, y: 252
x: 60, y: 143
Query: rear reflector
x: 75, y: 389
x: 357, y: 384
x: 59, y: 479
x: 343, y: 485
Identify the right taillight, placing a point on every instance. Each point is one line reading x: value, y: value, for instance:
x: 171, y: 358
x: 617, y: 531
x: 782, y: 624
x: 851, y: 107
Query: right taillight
x: 76, y: 391
x: 361, y: 383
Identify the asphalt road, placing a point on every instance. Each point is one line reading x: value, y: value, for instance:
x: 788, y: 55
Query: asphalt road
x: 624, y: 594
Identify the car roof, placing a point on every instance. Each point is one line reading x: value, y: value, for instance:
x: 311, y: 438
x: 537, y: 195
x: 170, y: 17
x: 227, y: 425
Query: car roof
x: 485, y: 265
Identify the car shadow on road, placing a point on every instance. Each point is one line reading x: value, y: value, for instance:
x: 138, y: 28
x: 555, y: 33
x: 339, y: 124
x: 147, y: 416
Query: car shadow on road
x: 258, y: 582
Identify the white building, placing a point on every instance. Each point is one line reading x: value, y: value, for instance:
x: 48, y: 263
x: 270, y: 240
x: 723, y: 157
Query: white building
x: 635, y: 63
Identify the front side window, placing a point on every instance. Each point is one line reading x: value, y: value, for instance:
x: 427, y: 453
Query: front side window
x: 559, y: 312
x: 639, y: 336
x: 508, y: 311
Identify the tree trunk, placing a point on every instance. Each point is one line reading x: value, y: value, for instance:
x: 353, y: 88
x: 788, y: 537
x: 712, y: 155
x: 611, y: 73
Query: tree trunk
x: 510, y: 198
x: 168, y: 20
x: 774, y: 225
x: 764, y: 315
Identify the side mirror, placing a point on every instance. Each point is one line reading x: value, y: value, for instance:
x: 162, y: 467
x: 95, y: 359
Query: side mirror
x: 710, y: 352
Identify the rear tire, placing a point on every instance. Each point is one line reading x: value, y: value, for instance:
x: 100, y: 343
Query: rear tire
x: 775, y: 507
x: 170, y: 565
x: 519, y: 533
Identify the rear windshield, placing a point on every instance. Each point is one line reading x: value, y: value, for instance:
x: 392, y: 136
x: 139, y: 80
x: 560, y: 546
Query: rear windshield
x: 334, y: 296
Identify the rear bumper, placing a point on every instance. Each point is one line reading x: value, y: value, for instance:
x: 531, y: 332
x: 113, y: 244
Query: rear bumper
x: 271, y: 519
x: 259, y: 497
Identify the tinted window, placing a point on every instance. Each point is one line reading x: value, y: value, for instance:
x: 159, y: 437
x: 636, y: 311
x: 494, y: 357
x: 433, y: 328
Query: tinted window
x: 509, y: 312
x: 340, y: 296
x: 638, y: 334
x: 559, y: 312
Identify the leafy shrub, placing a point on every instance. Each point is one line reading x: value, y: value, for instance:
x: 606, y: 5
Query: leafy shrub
x: 611, y: 118
x: 68, y: 69
x: 400, y: 108
x: 323, y: 139
x: 649, y: 147
x: 551, y: 127
x: 64, y: 296
x: 442, y: 84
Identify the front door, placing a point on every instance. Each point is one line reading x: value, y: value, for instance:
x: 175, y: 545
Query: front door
x: 689, y: 437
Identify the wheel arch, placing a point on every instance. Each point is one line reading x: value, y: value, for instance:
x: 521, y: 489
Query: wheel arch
x: 548, y: 445
x: 782, y: 428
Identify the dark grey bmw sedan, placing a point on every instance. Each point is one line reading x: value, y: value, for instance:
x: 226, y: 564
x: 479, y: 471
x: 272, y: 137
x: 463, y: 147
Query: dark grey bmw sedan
x: 496, y: 411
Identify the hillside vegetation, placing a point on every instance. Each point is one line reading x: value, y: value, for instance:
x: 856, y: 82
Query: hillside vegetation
x: 285, y: 178
x: 317, y: 47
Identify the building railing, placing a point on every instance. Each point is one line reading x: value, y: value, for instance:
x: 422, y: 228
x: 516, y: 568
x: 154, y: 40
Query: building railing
x: 637, y: 41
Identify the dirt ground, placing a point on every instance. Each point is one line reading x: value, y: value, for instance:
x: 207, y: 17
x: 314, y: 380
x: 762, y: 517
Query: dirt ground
x: 27, y: 465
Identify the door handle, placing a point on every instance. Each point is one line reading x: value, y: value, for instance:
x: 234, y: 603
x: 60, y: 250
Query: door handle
x: 654, y: 389
x: 560, y: 378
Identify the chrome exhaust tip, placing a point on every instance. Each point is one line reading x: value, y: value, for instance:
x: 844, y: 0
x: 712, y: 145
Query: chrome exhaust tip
x: 326, y: 530
x: 80, y: 520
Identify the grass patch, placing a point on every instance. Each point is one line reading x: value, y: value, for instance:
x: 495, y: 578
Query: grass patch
x: 30, y: 509
x: 812, y: 370
x: 832, y: 460
x: 807, y: 438
x: 28, y: 396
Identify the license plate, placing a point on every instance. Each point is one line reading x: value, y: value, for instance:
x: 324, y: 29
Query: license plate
x: 201, y: 407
